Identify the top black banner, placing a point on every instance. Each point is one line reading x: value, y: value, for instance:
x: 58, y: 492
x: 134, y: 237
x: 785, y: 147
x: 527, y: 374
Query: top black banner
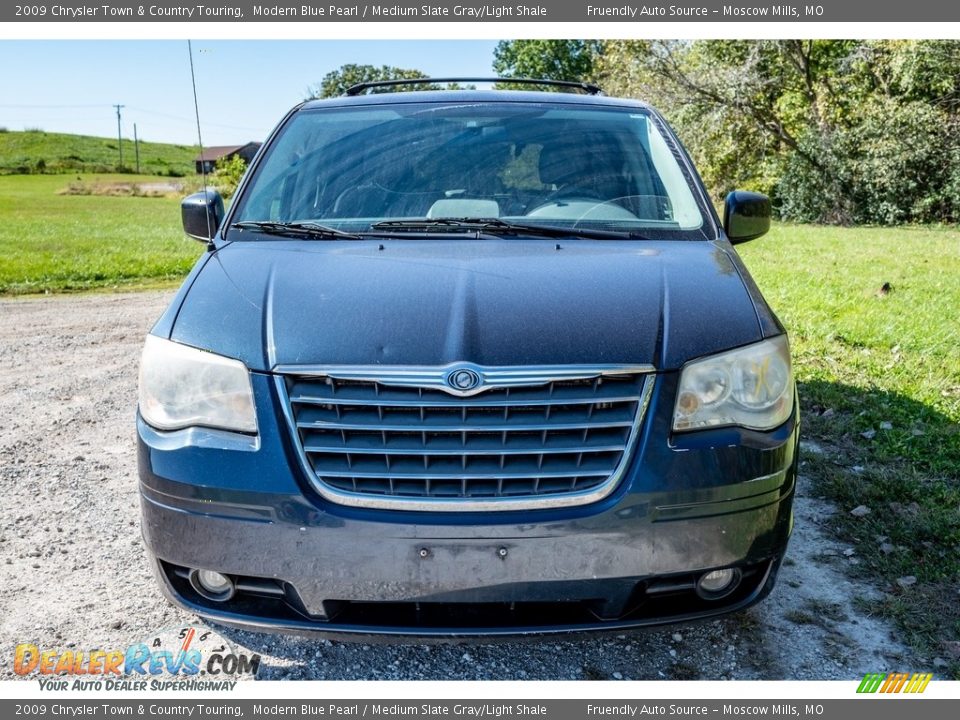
x: 577, y: 11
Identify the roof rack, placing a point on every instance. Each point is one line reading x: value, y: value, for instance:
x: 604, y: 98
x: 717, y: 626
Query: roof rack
x: 588, y: 88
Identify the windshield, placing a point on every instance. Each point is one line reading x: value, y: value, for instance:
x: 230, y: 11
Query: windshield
x: 566, y: 167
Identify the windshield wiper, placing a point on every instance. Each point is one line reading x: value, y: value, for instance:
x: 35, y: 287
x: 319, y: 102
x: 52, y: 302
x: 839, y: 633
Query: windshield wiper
x: 297, y: 229
x: 496, y: 226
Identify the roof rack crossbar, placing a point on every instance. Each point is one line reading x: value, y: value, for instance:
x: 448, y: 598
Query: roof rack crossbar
x: 588, y: 88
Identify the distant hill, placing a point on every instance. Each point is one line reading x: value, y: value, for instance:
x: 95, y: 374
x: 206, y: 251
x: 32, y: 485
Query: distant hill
x: 35, y: 151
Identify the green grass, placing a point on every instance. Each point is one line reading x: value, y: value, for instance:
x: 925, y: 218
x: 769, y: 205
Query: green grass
x: 864, y: 358
x: 43, y: 152
x: 872, y: 357
x: 54, y: 243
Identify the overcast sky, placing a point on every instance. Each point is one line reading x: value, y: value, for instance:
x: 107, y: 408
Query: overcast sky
x: 245, y: 87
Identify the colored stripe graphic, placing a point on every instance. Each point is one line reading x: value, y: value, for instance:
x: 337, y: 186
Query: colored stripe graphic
x: 894, y: 682
x: 871, y: 682
x: 919, y: 682
x: 897, y: 683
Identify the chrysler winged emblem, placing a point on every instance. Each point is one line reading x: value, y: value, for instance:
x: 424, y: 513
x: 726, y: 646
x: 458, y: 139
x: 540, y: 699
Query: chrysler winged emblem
x: 463, y: 379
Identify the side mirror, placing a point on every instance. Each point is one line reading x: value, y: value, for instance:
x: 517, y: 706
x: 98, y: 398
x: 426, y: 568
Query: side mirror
x: 746, y: 216
x: 201, y: 214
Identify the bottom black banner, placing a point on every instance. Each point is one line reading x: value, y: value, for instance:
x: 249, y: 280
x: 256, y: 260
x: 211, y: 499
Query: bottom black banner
x: 873, y: 707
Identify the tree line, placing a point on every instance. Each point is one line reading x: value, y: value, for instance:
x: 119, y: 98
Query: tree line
x: 835, y: 131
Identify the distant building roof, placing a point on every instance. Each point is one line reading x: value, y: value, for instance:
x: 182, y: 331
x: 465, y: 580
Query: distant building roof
x: 218, y: 151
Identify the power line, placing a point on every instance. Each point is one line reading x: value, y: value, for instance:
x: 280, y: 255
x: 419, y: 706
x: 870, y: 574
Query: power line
x: 53, y: 107
x: 191, y: 120
x: 157, y: 113
x: 261, y: 132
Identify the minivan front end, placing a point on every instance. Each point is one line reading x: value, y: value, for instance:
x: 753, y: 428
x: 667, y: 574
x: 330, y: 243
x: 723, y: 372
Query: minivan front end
x: 374, y: 500
x: 529, y: 393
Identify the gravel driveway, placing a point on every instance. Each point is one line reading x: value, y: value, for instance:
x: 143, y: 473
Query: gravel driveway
x: 73, y: 573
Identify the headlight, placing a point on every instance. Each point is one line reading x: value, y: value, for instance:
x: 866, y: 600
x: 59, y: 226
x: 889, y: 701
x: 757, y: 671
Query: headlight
x: 181, y: 386
x: 751, y: 387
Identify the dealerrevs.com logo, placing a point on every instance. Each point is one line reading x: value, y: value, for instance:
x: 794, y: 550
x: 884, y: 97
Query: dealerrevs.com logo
x: 183, y: 658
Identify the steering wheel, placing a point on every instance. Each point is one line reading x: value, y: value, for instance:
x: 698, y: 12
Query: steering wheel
x: 579, y: 208
x: 564, y: 194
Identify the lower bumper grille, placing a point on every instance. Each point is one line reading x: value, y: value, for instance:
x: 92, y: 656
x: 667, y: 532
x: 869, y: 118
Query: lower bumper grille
x: 552, y: 440
x: 602, y: 605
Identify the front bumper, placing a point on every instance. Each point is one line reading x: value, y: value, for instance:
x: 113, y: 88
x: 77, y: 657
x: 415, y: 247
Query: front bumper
x: 240, y: 506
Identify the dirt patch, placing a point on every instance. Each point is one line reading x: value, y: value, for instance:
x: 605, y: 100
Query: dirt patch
x: 73, y: 573
x: 815, y: 614
x: 124, y: 189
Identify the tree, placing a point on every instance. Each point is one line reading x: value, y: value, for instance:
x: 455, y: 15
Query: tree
x: 835, y: 130
x: 838, y: 131
x: 572, y: 60
x: 336, y: 82
x: 228, y: 174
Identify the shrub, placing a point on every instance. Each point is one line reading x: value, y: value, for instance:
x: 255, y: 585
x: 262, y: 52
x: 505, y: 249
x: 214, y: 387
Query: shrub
x: 885, y: 167
x: 228, y: 174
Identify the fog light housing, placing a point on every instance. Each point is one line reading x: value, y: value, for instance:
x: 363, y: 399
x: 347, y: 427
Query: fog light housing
x: 212, y: 585
x: 717, y: 584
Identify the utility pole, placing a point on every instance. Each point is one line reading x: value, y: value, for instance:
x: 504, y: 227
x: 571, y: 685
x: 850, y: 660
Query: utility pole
x: 136, y: 147
x: 119, y: 134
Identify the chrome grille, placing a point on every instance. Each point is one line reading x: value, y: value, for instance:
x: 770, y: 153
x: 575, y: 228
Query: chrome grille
x: 547, y: 442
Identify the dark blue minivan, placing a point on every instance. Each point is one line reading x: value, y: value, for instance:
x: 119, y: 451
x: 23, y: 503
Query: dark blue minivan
x: 468, y: 362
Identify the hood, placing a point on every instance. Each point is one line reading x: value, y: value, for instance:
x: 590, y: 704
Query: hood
x: 489, y: 302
